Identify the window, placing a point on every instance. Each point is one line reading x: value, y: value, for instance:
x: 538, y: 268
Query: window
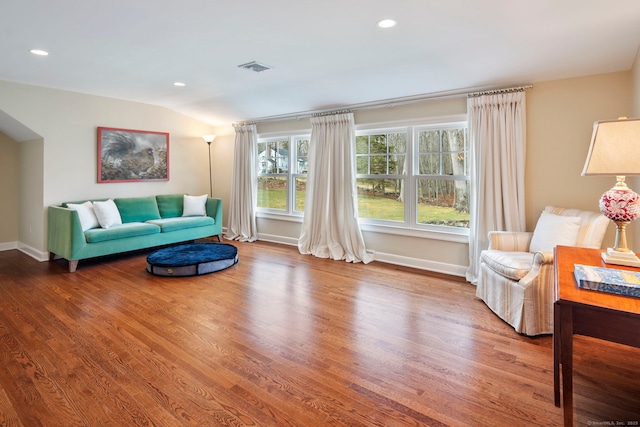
x: 414, y: 177
x: 381, y: 168
x: 275, y: 157
x: 273, y: 174
x: 442, y: 176
x: 432, y: 190
x: 300, y: 173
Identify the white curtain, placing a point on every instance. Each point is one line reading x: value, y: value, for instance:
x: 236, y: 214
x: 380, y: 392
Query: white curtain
x: 330, y: 227
x: 497, y: 141
x: 242, y: 209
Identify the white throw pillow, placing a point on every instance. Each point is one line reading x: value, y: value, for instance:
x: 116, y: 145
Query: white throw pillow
x: 107, y: 213
x: 553, y: 230
x: 194, y: 205
x: 86, y: 214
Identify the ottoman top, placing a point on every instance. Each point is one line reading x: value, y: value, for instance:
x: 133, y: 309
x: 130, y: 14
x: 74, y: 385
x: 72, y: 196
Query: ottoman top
x: 191, y: 254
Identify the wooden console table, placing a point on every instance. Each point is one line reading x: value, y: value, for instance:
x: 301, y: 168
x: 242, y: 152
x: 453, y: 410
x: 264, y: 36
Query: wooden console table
x: 596, y: 314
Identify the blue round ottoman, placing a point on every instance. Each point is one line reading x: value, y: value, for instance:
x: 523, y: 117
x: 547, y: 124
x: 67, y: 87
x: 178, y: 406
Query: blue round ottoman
x: 192, y: 259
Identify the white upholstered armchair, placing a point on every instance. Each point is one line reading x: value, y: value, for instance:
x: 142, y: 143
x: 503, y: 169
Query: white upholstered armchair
x: 516, y: 276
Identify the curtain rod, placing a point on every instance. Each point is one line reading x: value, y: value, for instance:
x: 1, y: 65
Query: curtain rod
x: 330, y: 113
x: 390, y: 103
x: 499, y: 91
x: 251, y: 122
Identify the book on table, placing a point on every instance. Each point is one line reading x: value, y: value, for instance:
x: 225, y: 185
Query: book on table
x: 610, y: 280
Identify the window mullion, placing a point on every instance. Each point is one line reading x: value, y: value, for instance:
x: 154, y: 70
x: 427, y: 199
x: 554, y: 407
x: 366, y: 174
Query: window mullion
x: 388, y: 189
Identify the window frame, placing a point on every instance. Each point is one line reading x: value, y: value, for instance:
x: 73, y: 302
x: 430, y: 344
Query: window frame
x: 417, y: 176
x: 409, y: 227
x: 408, y: 160
x: 293, y: 142
x: 292, y: 139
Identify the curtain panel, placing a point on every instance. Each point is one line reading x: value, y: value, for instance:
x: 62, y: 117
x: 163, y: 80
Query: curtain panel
x: 330, y: 226
x: 497, y: 130
x: 242, y: 208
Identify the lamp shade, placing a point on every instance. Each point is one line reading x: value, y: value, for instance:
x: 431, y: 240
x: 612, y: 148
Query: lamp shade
x: 208, y: 138
x: 614, y: 149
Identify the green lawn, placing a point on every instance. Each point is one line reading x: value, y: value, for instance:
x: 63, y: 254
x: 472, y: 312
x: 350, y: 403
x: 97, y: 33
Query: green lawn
x: 368, y: 207
x: 276, y: 199
x: 392, y: 210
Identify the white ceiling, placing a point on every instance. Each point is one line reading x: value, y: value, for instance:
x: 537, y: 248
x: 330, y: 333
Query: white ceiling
x: 324, y: 54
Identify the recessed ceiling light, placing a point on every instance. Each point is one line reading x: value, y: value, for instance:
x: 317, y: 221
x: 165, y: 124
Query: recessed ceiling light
x: 387, y: 23
x: 39, y: 52
x: 179, y: 84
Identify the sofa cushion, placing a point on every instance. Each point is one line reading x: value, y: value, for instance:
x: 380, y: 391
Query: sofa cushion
x: 513, y: 265
x: 107, y: 213
x: 86, y: 214
x: 170, y: 205
x: 195, y: 205
x: 137, y: 209
x: 79, y: 202
x: 130, y: 229
x: 181, y: 223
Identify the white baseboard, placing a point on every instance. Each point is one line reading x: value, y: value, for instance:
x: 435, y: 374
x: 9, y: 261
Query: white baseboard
x: 29, y: 250
x: 422, y: 264
x: 438, y: 267
x: 33, y: 252
x: 290, y: 241
x: 7, y: 246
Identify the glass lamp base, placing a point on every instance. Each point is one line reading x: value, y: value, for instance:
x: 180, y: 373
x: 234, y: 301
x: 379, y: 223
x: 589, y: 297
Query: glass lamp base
x: 628, y: 258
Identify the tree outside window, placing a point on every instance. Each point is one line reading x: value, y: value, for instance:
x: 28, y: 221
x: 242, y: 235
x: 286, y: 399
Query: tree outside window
x: 442, y: 185
x: 411, y: 177
x: 381, y: 159
x: 273, y: 179
x: 274, y: 174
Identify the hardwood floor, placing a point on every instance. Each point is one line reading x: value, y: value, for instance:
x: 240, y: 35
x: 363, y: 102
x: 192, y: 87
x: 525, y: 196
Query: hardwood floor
x: 280, y: 339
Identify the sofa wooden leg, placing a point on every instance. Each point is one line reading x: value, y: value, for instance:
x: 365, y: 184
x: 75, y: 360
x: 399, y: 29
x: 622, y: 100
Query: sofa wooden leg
x: 219, y: 237
x: 73, y: 264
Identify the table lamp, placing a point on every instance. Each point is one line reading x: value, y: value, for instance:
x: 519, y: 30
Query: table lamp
x: 615, y: 150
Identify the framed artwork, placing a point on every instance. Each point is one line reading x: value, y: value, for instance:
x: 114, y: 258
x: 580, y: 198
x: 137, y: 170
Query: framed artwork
x: 126, y: 155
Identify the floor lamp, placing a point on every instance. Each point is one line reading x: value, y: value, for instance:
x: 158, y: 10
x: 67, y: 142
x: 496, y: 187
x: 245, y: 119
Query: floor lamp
x: 209, y: 139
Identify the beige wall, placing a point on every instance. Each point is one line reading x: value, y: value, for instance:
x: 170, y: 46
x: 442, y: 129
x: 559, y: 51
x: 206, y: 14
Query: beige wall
x: 634, y: 182
x: 32, y: 221
x: 222, y: 150
x: 9, y: 191
x: 560, y: 116
x: 62, y: 165
x: 635, y: 84
x: 438, y: 255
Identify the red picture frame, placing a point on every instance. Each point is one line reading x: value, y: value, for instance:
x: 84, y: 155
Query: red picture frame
x: 127, y: 155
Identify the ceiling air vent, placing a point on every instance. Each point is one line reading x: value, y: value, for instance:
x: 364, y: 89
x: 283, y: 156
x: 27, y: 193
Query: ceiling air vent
x: 255, y: 66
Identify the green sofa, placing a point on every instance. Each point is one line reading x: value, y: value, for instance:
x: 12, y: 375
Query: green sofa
x: 146, y: 222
